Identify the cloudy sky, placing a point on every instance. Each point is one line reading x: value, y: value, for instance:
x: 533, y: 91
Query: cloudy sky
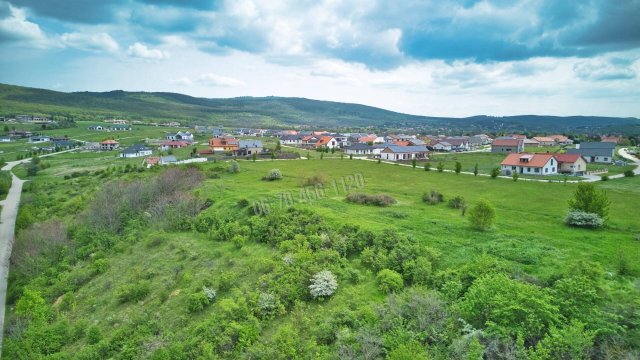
x: 445, y: 57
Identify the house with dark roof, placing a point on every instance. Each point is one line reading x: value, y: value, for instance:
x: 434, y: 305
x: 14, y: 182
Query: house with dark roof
x: 39, y: 139
x: 399, y: 153
x: 249, y: 147
x: 600, y: 152
x: 507, y: 145
x: 136, y: 150
x: 64, y: 143
x: 167, y: 160
x: 359, y: 149
x: 529, y: 164
x: 181, y: 136
x: 291, y: 139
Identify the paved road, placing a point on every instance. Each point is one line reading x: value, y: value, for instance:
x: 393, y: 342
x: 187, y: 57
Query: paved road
x: 7, y: 230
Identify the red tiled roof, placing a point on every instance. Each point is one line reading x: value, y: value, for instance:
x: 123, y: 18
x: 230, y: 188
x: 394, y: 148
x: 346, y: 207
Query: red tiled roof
x: 535, y: 160
x: 152, y: 160
x: 176, y: 143
x: 518, y: 136
x: 366, y: 139
x: 506, y: 142
x: 323, y: 140
x: 401, y: 143
x: 559, y: 138
x: 567, y: 158
x: 543, y: 139
x: 221, y: 142
x: 107, y: 142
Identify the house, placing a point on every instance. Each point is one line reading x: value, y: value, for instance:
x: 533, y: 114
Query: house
x: 5, y: 139
x: 117, y: 121
x: 359, y: 149
x: 398, y: 153
x: 529, y: 164
x: 249, y: 147
x: 172, y: 124
x: 531, y: 143
x: 181, y: 136
x: 120, y: 128
x: 167, y: 160
x: 400, y: 143
x: 613, y: 139
x: 136, y: 150
x: 151, y: 160
x: 458, y: 144
x: 561, y: 140
x: 172, y: 144
x: 95, y: 128
x: 223, y: 144
x: 64, y: 143
x: 341, y: 140
x: 109, y: 145
x: 20, y: 134
x: 544, y: 140
x: 89, y: 145
x: 507, y: 145
x: 573, y: 164
x: 291, y: 139
x: 327, y: 142
x: 416, y: 142
x: 517, y: 136
x: 440, y: 145
x: 39, y: 139
x: 601, y: 152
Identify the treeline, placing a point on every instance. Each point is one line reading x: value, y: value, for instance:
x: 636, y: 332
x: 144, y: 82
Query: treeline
x: 420, y: 307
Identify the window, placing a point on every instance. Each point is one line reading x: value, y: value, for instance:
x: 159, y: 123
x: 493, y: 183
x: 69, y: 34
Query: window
x: 546, y: 170
x: 537, y: 170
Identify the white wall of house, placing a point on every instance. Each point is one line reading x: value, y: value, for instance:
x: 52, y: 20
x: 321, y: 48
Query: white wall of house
x: 579, y: 166
x: 550, y: 168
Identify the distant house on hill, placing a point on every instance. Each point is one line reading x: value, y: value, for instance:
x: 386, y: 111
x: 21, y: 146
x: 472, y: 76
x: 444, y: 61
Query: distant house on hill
x: 109, y: 145
x: 612, y: 139
x: 95, y: 128
x: 507, y: 145
x: 561, y: 140
x: 600, y: 152
x: 544, y: 140
x: 173, y: 144
x: 529, y: 164
x: 39, y: 139
x: 168, y: 160
x: 136, y: 150
x: 249, y: 147
x: 327, y: 142
x: 181, y: 136
x: 291, y: 139
x: 359, y: 149
x: 223, y: 144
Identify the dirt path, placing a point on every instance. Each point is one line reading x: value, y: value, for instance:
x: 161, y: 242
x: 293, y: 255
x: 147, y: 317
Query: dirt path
x: 7, y: 230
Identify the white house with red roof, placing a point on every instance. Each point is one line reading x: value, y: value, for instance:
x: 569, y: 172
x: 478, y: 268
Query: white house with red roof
x: 573, y: 164
x: 327, y: 141
x: 529, y: 164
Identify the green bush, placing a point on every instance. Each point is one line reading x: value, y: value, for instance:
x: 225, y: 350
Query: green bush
x: 366, y: 199
x: 457, y: 202
x: 274, y: 174
x: 389, y: 281
x: 440, y: 166
x: 584, y: 219
x: 629, y: 173
x: 433, y: 197
x: 197, y: 302
x: 604, y: 177
x: 495, y: 172
x: 588, y: 199
x: 233, y: 167
x: 133, y: 292
x: 482, y: 215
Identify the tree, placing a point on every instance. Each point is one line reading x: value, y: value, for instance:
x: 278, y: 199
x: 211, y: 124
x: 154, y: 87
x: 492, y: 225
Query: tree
x: 458, y: 167
x: 273, y: 156
x: 482, y: 215
x: 321, y: 155
x: 389, y: 281
x: 32, y: 306
x: 233, y: 167
x: 333, y: 150
x: 323, y: 284
x: 515, y: 176
x: 413, y: 163
x: 588, y: 199
x: 440, y: 166
x: 350, y: 156
x: 278, y: 146
x: 475, y: 170
x: 495, y: 172
x: 427, y: 167
x: 254, y: 157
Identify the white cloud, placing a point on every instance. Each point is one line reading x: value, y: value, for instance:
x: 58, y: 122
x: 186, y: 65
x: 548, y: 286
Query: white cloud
x: 17, y: 27
x: 217, y: 80
x: 139, y: 50
x: 99, y: 42
x: 602, y: 70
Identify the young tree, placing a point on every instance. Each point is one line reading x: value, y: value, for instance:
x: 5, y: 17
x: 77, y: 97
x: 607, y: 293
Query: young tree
x: 254, y: 157
x: 482, y: 215
x: 350, y: 156
x: 440, y: 166
x: 495, y: 172
x: 273, y: 156
x: 278, y: 146
x: 323, y: 284
x: 321, y: 155
x: 233, y: 167
x: 475, y: 170
x: 458, y: 167
x: 515, y: 176
x: 413, y: 163
x: 588, y: 199
x: 427, y: 167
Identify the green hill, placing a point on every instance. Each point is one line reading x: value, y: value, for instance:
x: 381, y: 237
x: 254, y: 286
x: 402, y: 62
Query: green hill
x: 279, y: 111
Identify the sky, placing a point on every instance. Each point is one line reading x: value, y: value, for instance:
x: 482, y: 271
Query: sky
x: 439, y: 58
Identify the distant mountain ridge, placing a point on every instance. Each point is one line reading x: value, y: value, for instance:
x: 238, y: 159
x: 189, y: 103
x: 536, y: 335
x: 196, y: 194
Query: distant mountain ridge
x: 278, y: 112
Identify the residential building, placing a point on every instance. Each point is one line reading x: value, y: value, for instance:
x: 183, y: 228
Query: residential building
x: 612, y: 139
x: 529, y: 164
x: 223, y: 144
x: 561, y: 140
x: 291, y: 139
x: 39, y: 139
x: 173, y: 144
x: 249, y: 147
x: 399, y: 153
x: 151, y: 160
x: 167, y: 160
x: 573, y: 164
x: 359, y: 149
x: 507, y: 145
x: 109, y: 145
x: 95, y: 128
x: 327, y: 142
x: 544, y: 140
x: 5, y: 139
x: 600, y: 152
x: 136, y: 150
x: 181, y: 136
x: 531, y: 143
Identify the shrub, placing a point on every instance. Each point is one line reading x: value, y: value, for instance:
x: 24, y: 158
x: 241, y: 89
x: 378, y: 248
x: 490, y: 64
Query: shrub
x: 317, y: 179
x: 457, y: 202
x: 323, y: 284
x: 238, y: 241
x: 274, y: 174
x: 367, y: 199
x: 427, y: 167
x: 133, y: 292
x: 243, y: 203
x: 583, y: 219
x: 629, y: 173
x: 604, y: 177
x: 433, y: 197
x: 495, y: 172
x: 515, y: 176
x: 197, y: 302
x: 440, y: 166
x: 475, y: 170
x: 209, y: 293
x: 588, y: 199
x: 458, y: 167
x: 233, y: 167
x: 482, y: 215
x: 389, y: 281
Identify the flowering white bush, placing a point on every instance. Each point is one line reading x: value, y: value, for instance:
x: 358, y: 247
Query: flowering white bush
x: 209, y: 293
x: 323, y: 284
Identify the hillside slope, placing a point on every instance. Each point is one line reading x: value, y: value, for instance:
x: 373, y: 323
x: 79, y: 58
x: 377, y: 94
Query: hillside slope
x: 278, y: 111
